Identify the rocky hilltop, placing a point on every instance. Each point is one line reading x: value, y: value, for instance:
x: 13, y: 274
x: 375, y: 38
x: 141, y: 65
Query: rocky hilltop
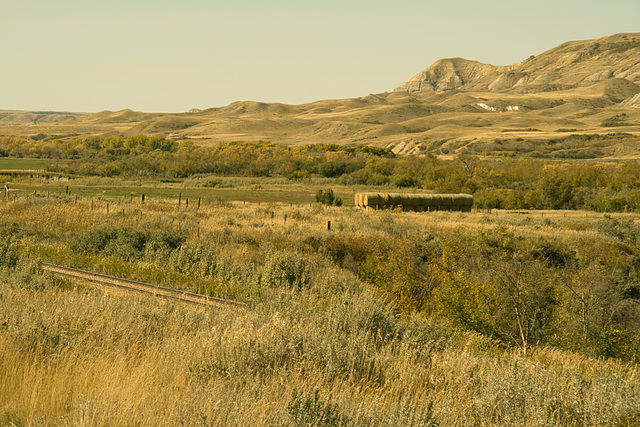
x: 570, y: 65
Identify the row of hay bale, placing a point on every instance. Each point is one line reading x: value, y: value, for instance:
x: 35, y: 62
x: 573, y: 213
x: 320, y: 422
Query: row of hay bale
x: 415, y: 202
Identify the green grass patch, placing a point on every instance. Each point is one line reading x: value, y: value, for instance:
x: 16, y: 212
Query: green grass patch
x: 21, y: 164
x: 265, y: 193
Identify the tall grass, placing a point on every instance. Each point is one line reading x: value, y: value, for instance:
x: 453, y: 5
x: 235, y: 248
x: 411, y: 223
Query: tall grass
x: 74, y: 356
x: 316, y: 346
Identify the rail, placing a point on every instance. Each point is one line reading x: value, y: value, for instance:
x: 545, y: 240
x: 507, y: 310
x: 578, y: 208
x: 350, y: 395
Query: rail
x: 140, y: 287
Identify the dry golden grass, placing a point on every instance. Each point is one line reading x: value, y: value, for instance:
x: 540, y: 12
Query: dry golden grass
x: 404, y: 123
x: 326, y: 353
x: 77, y: 357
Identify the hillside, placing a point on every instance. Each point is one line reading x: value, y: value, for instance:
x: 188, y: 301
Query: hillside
x: 581, y: 87
x: 570, y: 65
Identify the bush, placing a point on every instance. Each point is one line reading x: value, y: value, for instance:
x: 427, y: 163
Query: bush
x: 326, y: 197
x: 193, y: 259
x: 310, y: 410
x: 406, y: 180
x: 332, y: 169
x: 288, y: 270
x: 617, y: 343
x: 126, y: 243
x: 8, y: 245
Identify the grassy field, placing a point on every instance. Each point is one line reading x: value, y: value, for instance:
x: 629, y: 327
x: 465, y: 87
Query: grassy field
x: 20, y: 164
x: 253, y: 190
x: 320, y: 343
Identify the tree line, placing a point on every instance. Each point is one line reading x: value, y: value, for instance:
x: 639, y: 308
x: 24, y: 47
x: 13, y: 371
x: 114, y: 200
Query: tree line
x: 508, y: 183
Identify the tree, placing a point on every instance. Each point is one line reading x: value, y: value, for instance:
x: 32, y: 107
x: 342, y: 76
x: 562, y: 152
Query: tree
x: 521, y: 285
x: 326, y: 197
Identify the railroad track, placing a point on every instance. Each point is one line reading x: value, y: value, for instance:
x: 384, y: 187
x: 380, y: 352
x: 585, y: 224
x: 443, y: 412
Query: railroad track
x: 102, y: 280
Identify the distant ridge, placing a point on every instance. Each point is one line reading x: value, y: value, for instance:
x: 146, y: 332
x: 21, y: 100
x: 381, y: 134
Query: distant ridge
x: 570, y: 65
x: 454, y: 106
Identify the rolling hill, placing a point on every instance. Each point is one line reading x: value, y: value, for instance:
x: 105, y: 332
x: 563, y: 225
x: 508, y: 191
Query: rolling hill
x: 455, y: 105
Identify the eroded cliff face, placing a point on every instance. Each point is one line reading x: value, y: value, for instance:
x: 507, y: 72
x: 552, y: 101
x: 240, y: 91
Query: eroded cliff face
x: 570, y: 65
x: 451, y: 74
x: 633, y: 102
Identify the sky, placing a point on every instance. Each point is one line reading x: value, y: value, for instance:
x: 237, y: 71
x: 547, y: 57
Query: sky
x: 172, y: 56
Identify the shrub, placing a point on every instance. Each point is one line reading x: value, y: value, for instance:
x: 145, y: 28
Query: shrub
x: 194, y: 259
x: 617, y: 343
x: 8, y: 243
x: 332, y: 169
x: 126, y: 243
x: 406, y: 180
x: 287, y: 270
x: 310, y: 410
x: 326, y: 197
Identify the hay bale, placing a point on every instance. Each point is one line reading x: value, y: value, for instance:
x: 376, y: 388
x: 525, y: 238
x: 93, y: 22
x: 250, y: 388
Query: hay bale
x: 433, y: 200
x: 421, y: 199
x: 462, y: 200
x: 396, y: 199
x: 447, y: 200
x: 418, y: 199
x: 413, y: 199
x: 415, y: 202
x: 456, y: 200
x: 436, y: 200
x: 372, y: 200
x: 406, y: 200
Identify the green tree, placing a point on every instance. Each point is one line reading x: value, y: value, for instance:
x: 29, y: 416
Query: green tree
x: 326, y: 197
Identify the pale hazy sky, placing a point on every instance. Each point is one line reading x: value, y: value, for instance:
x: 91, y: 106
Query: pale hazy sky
x: 170, y: 55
